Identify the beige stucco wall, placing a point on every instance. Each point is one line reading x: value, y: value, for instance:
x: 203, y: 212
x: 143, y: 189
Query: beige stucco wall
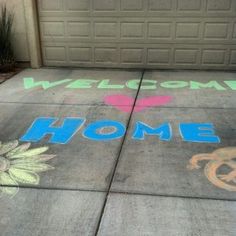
x: 20, y: 35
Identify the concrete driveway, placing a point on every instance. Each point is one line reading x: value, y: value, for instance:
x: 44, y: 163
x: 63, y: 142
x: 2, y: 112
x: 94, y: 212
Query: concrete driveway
x: 118, y: 152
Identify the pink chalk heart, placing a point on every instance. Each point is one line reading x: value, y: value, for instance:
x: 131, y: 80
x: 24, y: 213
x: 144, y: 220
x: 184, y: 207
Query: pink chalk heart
x: 125, y: 103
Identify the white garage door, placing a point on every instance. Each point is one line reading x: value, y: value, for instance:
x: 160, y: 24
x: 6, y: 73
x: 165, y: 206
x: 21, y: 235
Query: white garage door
x: 178, y: 34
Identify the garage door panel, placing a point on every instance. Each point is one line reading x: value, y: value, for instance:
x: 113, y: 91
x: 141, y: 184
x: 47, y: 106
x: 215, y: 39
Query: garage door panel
x: 191, y: 34
x: 233, y: 57
x: 145, y: 30
x: 138, y: 7
x: 152, y: 56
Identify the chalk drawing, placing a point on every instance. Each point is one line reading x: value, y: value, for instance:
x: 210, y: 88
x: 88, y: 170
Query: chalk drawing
x: 192, y: 85
x: 91, y: 132
x: 30, y: 83
x: 97, y: 131
x: 125, y: 103
x: 141, y: 129
x: 198, y: 133
x: 44, y: 126
x: 223, y: 157
x: 84, y: 83
x: 20, y: 164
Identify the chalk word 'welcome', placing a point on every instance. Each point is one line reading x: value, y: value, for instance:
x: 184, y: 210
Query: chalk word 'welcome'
x: 41, y: 127
x: 30, y: 83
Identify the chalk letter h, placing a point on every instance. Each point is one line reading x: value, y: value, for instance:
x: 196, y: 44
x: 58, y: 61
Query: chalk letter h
x: 59, y: 135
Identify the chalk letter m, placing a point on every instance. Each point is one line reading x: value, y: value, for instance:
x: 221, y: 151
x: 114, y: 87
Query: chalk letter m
x: 59, y: 135
x: 164, y: 131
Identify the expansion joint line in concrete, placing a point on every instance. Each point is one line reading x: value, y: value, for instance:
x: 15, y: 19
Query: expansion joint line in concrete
x: 162, y: 195
x: 119, y: 153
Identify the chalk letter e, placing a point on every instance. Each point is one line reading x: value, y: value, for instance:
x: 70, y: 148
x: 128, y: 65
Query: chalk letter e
x: 59, y: 135
x: 200, y: 133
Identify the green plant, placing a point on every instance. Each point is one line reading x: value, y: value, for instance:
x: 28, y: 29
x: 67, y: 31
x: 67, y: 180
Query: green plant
x: 6, y: 51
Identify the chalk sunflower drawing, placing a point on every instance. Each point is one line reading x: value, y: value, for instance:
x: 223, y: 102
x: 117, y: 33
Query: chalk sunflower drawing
x: 20, y: 164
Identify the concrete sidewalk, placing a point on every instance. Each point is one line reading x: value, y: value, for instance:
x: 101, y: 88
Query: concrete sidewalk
x: 118, y: 152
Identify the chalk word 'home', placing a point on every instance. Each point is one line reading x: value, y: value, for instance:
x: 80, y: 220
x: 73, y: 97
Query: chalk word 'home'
x: 107, y: 130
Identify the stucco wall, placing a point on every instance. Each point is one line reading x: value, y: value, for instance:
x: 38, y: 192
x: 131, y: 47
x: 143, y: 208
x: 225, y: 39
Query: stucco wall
x: 20, y: 37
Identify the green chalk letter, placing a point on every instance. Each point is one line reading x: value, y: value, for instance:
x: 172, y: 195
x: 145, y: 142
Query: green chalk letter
x: 231, y: 84
x: 174, y: 84
x: 82, y: 84
x: 30, y: 83
x: 104, y: 84
x: 146, y: 84
x: 152, y: 84
x: 211, y: 84
x: 133, y: 84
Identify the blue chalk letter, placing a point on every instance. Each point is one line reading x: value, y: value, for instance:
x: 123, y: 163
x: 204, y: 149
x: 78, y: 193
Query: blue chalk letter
x: 60, y: 135
x: 164, y: 131
x: 201, y: 133
x: 91, y: 132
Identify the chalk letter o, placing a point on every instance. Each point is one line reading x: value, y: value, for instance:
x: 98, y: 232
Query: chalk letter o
x: 174, y: 84
x: 91, y: 132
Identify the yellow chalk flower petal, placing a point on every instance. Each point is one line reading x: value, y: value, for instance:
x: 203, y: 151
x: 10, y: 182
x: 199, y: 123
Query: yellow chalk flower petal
x: 34, y: 159
x: 39, y: 158
x: 31, y: 152
x: 9, y: 190
x: 18, y: 150
x: 22, y: 176
x: 34, y: 167
x: 5, y: 179
x: 6, y: 147
x: 43, y: 158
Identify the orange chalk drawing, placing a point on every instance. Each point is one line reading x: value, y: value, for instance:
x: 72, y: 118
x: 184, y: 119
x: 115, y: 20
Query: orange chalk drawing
x: 217, y: 160
x: 20, y: 164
